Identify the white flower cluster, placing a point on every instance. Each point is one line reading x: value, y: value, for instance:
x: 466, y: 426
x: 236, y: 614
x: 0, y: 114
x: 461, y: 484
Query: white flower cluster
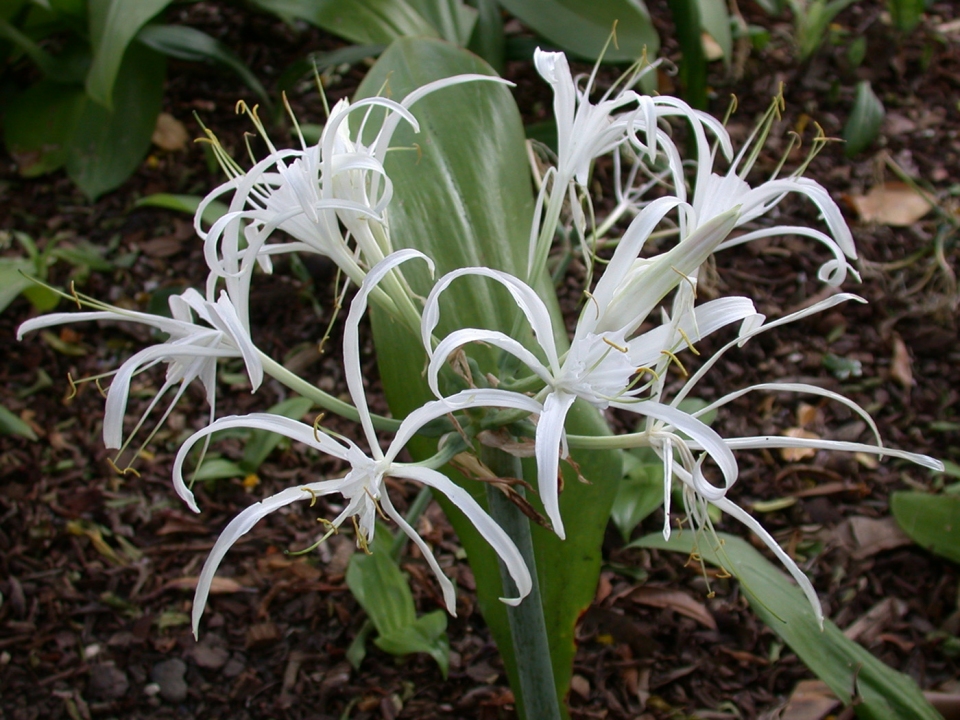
x: 333, y: 198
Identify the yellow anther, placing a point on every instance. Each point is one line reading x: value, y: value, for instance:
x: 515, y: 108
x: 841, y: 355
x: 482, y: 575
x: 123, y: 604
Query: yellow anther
x: 73, y: 387
x: 376, y: 504
x: 332, y: 529
x: 689, y: 342
x: 723, y: 573
x: 693, y: 283
x: 313, y: 497
x: 612, y: 344
x: 73, y: 293
x: 645, y: 369
x: 125, y: 471
x: 676, y: 360
x: 419, y: 152
x: 96, y: 381
x: 316, y: 426
x: 361, y: 538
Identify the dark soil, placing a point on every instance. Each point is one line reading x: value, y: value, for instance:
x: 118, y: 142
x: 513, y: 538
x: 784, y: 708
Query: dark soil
x: 93, y: 622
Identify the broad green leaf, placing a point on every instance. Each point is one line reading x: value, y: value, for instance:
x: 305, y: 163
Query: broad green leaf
x: 933, y: 521
x: 488, y: 40
x: 41, y: 297
x: 906, y: 14
x: 427, y: 634
x: 583, y: 27
x: 263, y: 442
x: 366, y: 22
x: 10, y: 424
x: 453, y: 19
x: 865, y: 120
x: 715, y: 21
x: 83, y: 255
x: 218, y: 469
x: 185, y: 204
x: 187, y: 43
x: 113, y: 25
x: 639, y: 494
x: 109, y: 145
x: 382, y: 590
x: 39, y: 126
x: 13, y: 281
x: 852, y: 673
x: 466, y: 199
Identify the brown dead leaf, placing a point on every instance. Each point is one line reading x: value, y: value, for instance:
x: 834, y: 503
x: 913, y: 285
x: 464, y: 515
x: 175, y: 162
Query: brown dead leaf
x: 806, y: 414
x: 169, y: 133
x: 793, y: 455
x: 893, y: 203
x: 219, y: 585
x: 675, y: 600
x: 901, y: 366
x: 810, y: 700
x: 872, y: 536
x: 868, y: 627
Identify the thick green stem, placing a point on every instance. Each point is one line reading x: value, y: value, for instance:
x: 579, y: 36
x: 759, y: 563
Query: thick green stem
x: 527, y: 625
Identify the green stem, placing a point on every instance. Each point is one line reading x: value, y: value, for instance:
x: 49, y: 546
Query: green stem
x: 324, y: 400
x: 528, y: 628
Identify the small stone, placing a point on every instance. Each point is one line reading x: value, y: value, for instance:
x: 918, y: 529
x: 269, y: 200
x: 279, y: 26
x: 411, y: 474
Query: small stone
x: 107, y: 682
x: 169, y: 676
x: 210, y: 653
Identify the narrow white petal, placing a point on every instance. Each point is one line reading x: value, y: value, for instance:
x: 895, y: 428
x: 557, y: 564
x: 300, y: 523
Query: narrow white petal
x: 485, y: 525
x: 548, y: 448
x: 770, y: 442
x: 738, y: 513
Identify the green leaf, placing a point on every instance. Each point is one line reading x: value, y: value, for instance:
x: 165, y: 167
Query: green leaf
x: 263, y: 442
x: 187, y: 43
x: 906, y: 14
x: 382, y: 590
x: 865, y: 120
x: 470, y: 182
x: 453, y: 19
x: 693, y: 62
x: 218, y: 469
x: 13, y: 281
x: 109, y: 145
x: 39, y: 125
x: 113, y: 24
x: 10, y: 424
x: 932, y: 521
x: 366, y: 22
x: 715, y: 21
x: 852, y: 673
x: 488, y: 40
x: 185, y: 204
x: 639, y: 494
x: 583, y: 27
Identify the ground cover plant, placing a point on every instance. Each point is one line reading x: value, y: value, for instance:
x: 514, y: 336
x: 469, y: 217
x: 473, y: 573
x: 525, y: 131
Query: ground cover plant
x: 601, y: 369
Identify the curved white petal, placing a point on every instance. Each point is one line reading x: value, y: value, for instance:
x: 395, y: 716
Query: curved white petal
x: 771, y: 442
x: 351, y: 338
x: 738, y: 513
x: 485, y: 525
x: 292, y: 429
x: 526, y: 298
x: 549, y: 447
x: 496, y: 338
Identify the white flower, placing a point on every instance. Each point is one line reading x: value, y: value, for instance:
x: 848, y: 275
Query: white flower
x: 191, y: 351
x: 330, y: 198
x: 363, y: 486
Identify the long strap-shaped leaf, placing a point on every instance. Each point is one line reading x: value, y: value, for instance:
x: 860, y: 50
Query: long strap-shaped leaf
x: 463, y: 196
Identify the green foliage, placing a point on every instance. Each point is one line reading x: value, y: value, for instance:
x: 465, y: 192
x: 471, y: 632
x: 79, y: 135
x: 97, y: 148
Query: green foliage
x: 865, y: 120
x: 19, y: 275
x: 640, y: 491
x: 583, y: 26
x: 185, y: 204
x: 852, y: 673
x: 443, y: 192
x: 811, y: 18
x: 383, y: 592
x: 10, y: 424
x: 932, y: 521
x: 95, y: 108
x: 257, y: 446
x: 906, y: 14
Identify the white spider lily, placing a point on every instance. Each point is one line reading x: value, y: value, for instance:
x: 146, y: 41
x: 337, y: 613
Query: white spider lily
x: 330, y: 198
x: 191, y: 351
x: 363, y: 487
x: 603, y: 363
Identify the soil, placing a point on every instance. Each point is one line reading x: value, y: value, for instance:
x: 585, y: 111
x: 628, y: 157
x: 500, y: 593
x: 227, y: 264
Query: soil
x: 94, y: 612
